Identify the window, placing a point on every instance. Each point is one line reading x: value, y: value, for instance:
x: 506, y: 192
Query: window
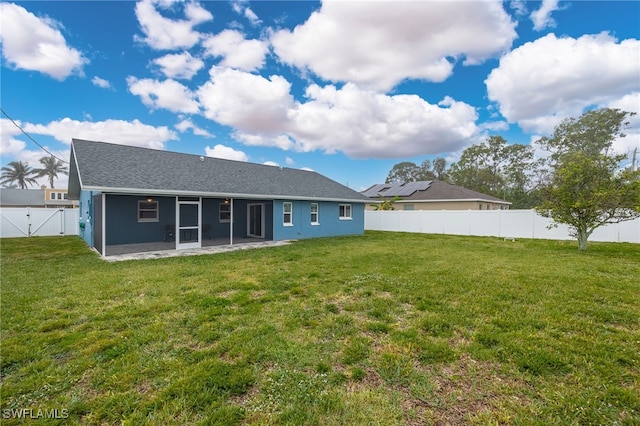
x: 345, y: 211
x: 147, y: 211
x: 52, y: 195
x: 59, y: 195
x: 65, y: 196
x: 408, y: 206
x: 224, y: 212
x: 314, y: 214
x: 287, y: 213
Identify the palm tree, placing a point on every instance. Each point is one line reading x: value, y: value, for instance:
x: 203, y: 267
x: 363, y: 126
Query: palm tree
x: 19, y: 173
x: 51, y: 167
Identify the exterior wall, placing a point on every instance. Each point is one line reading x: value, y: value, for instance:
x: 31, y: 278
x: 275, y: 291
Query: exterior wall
x: 447, y: 205
x: 329, y: 222
x: 121, y: 218
x: 85, y: 218
x: 211, y: 217
x: 122, y: 226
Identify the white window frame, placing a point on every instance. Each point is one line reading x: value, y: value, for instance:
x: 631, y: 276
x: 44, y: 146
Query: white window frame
x: 316, y: 213
x: 156, y: 209
x: 287, y: 221
x: 344, y: 212
x: 227, y: 211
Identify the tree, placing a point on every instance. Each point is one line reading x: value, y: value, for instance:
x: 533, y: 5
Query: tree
x: 587, y: 186
x: 499, y: 169
x: 386, y: 204
x: 51, y: 166
x: 403, y: 172
x: 17, y: 172
x: 410, y: 172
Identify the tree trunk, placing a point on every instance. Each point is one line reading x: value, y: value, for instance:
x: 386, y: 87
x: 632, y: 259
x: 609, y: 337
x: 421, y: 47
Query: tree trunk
x: 583, y: 236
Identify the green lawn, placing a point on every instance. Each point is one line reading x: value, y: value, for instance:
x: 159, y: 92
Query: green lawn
x: 382, y: 329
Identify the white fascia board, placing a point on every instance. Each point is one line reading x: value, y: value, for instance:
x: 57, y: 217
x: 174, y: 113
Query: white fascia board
x: 454, y: 200
x: 174, y: 193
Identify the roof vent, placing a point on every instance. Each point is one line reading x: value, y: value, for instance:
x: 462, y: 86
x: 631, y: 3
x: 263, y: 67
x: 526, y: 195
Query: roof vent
x: 201, y: 158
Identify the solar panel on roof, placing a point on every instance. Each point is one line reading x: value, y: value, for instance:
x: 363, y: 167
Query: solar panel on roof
x: 398, y: 189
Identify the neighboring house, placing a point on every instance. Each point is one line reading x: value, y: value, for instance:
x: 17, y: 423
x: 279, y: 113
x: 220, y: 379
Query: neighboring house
x: 10, y: 197
x: 131, y: 195
x: 45, y: 197
x: 432, y: 195
x: 54, y: 197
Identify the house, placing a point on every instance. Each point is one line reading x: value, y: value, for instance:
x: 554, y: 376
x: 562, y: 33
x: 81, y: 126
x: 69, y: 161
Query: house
x: 10, y: 197
x: 41, y: 198
x: 58, y: 197
x: 432, y: 195
x: 130, y: 195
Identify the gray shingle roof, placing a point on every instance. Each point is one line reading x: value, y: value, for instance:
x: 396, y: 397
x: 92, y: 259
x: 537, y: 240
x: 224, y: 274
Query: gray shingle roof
x: 435, y: 190
x: 10, y: 197
x: 109, y: 167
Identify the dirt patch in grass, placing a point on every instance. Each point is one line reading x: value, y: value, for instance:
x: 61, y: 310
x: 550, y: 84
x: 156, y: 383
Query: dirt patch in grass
x: 467, y: 389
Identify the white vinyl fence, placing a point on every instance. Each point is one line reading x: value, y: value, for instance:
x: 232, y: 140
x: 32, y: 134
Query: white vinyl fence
x: 492, y: 223
x: 32, y: 222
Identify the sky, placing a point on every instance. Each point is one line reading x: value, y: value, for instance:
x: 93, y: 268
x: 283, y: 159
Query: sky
x: 345, y: 88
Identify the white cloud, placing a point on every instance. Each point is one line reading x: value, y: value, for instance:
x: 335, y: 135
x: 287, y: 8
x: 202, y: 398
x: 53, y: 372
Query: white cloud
x: 542, y: 17
x: 367, y: 124
x: 357, y: 122
x: 252, y: 17
x: 226, y: 152
x: 544, y: 81
x: 519, y: 7
x: 271, y: 163
x: 289, y: 161
x: 631, y: 141
x: 236, y: 52
x: 378, y: 44
x: 248, y: 102
x: 121, y: 132
x: 9, y: 145
x: 101, y: 82
x: 241, y: 8
x: 164, y: 33
x: 187, y: 124
x: 180, y: 65
x: 36, y: 44
x: 167, y: 94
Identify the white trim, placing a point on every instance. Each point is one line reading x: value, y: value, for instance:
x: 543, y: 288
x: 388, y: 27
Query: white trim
x: 456, y: 200
x: 290, y: 213
x: 231, y: 223
x: 350, y: 217
x: 198, y: 227
x: 104, y: 223
x: 170, y: 193
x: 157, y: 210
x: 317, y: 221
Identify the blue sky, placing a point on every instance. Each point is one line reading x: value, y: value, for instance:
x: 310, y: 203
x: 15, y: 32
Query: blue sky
x: 346, y: 88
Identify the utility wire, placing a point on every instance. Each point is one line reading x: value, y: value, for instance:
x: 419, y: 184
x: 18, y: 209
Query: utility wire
x: 32, y: 139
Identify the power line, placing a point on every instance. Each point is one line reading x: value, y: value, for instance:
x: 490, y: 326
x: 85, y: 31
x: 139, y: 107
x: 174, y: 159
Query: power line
x: 32, y: 139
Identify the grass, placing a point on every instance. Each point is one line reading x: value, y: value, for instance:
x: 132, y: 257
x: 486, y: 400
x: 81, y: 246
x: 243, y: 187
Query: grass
x: 385, y: 328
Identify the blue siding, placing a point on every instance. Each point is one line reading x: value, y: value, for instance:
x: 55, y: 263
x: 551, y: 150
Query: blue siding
x: 329, y: 221
x: 86, y: 217
x: 122, y: 226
